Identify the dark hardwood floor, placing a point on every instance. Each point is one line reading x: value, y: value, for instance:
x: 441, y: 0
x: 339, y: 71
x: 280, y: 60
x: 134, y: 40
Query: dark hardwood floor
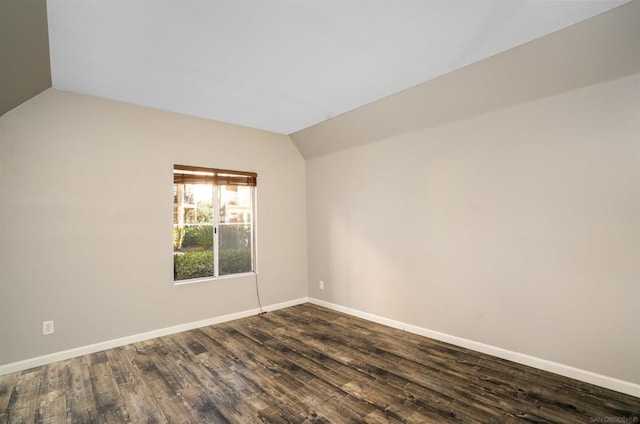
x: 303, y: 364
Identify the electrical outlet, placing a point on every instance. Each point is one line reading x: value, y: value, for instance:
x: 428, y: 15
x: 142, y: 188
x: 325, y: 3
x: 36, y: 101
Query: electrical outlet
x: 321, y: 285
x: 47, y: 328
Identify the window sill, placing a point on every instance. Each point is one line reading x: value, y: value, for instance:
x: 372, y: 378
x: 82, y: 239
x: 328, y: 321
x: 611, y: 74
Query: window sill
x: 207, y: 279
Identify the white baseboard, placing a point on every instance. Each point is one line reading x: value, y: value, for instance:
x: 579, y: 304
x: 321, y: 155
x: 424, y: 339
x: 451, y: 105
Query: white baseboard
x: 521, y: 358
x: 110, y: 344
x: 543, y: 364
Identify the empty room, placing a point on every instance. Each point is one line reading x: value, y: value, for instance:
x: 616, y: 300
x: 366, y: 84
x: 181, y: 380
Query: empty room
x: 217, y: 211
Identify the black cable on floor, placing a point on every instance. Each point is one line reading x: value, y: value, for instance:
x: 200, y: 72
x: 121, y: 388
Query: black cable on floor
x: 258, y: 295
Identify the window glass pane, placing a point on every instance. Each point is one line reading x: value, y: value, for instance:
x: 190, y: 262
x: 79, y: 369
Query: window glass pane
x: 235, y: 227
x: 192, y: 231
x: 213, y: 222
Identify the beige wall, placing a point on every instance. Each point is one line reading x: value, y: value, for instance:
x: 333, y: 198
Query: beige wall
x: 24, y: 51
x: 518, y: 228
x: 86, y: 212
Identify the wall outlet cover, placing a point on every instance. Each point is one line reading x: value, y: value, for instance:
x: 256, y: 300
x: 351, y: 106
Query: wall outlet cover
x: 47, y: 328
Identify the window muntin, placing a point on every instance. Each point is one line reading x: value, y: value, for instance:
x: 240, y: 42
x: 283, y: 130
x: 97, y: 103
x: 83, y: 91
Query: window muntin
x: 214, y: 222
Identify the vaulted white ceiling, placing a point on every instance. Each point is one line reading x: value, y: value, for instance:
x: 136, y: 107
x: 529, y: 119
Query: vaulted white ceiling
x: 283, y: 65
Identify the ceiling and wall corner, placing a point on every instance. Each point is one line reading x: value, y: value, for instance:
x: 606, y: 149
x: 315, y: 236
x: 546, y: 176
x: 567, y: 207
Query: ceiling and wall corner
x: 592, y: 51
x: 24, y: 51
x: 283, y: 66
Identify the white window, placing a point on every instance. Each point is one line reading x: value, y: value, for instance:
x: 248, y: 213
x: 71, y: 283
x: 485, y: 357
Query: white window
x: 213, y: 222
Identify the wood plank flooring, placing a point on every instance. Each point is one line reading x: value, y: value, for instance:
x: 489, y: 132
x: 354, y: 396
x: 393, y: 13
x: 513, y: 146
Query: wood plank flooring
x: 303, y: 364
